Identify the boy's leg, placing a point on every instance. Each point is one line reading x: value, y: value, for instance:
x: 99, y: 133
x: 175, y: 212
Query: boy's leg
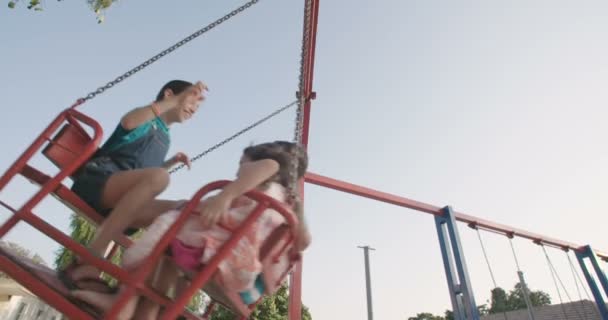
x: 128, y: 192
x: 137, y: 204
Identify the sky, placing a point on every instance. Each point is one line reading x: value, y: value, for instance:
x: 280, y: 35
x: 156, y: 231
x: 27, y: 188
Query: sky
x: 495, y: 108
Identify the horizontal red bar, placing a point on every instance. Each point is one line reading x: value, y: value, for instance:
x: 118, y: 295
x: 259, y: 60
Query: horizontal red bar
x: 434, y: 210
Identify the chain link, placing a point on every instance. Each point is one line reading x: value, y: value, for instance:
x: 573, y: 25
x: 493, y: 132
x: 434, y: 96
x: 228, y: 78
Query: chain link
x: 303, y: 54
x: 223, y: 142
x: 301, y: 98
x: 165, y: 52
x: 299, y: 122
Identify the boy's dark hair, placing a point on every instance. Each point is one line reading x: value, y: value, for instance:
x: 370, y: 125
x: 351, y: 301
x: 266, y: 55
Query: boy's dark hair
x: 177, y: 86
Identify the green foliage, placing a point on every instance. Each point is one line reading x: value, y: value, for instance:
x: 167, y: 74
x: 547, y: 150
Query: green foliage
x: 500, y: 302
x: 426, y: 316
x: 98, y: 6
x: 274, y: 307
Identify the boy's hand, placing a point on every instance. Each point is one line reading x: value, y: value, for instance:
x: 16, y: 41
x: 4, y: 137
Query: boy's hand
x: 179, y: 157
x: 192, y: 96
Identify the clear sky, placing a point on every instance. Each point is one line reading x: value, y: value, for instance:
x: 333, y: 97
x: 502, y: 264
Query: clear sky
x: 495, y: 108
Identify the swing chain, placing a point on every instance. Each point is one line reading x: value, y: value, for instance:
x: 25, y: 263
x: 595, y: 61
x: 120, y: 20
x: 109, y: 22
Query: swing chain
x: 163, y: 53
x: 303, y: 54
x: 299, y: 122
x: 223, y: 142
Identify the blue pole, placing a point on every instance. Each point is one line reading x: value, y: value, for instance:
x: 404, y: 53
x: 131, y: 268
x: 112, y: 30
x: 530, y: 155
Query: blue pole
x: 459, y: 284
x: 587, y: 253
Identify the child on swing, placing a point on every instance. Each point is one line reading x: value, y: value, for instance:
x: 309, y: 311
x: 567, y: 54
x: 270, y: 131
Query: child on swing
x: 122, y: 180
x: 268, y: 168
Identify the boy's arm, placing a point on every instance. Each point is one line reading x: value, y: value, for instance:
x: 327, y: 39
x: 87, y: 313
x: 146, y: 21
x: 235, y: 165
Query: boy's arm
x: 138, y: 116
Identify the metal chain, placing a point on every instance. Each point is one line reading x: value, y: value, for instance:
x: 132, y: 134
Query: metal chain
x: 557, y: 278
x: 578, y: 290
x: 163, y: 53
x: 303, y: 54
x: 223, y: 142
x: 299, y: 122
x: 514, y: 254
x: 483, y: 249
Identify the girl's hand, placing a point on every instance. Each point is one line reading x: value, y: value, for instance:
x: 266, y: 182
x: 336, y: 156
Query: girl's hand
x: 212, y: 209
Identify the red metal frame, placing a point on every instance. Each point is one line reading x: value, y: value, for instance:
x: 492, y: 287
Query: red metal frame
x: 136, y: 284
x: 434, y: 210
x: 206, y: 273
x: 295, y: 283
x: 27, y: 276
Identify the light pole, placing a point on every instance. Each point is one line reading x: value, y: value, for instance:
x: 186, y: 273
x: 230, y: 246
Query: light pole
x: 368, y: 282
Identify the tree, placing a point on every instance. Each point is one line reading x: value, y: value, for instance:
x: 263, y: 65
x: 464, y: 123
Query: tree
x: 273, y: 307
x: 20, y: 251
x: 517, y: 300
x: 426, y: 316
x: 98, y: 6
x: 482, y: 309
x: 82, y: 232
x: 501, y: 302
x: 449, y: 315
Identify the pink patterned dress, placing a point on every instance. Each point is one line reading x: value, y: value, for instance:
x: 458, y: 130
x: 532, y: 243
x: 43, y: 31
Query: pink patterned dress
x: 196, y: 245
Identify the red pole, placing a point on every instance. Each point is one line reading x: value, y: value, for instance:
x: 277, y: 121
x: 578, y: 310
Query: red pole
x: 295, y: 281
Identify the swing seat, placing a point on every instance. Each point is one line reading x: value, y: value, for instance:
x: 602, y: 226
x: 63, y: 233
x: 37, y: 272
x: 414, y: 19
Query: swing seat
x: 62, y: 150
x: 276, y: 264
x: 66, y: 145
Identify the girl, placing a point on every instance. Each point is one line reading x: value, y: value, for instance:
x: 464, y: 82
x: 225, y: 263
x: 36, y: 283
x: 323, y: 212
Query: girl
x: 268, y: 168
x: 122, y: 180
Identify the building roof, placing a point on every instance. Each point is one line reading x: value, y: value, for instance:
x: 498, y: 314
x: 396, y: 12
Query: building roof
x: 583, y: 310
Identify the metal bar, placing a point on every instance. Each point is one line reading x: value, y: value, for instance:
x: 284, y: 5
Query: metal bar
x: 42, y: 290
x: 450, y: 273
x: 368, y: 282
x: 63, y: 173
x: 358, y: 190
x: 207, y: 272
x: 598, y: 270
x: 30, y: 151
x: 597, y: 294
x: 464, y: 280
x: 140, y: 275
x: 295, y: 281
x: 77, y: 248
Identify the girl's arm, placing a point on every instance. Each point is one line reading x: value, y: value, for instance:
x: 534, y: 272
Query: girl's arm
x: 303, y: 236
x: 250, y: 175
